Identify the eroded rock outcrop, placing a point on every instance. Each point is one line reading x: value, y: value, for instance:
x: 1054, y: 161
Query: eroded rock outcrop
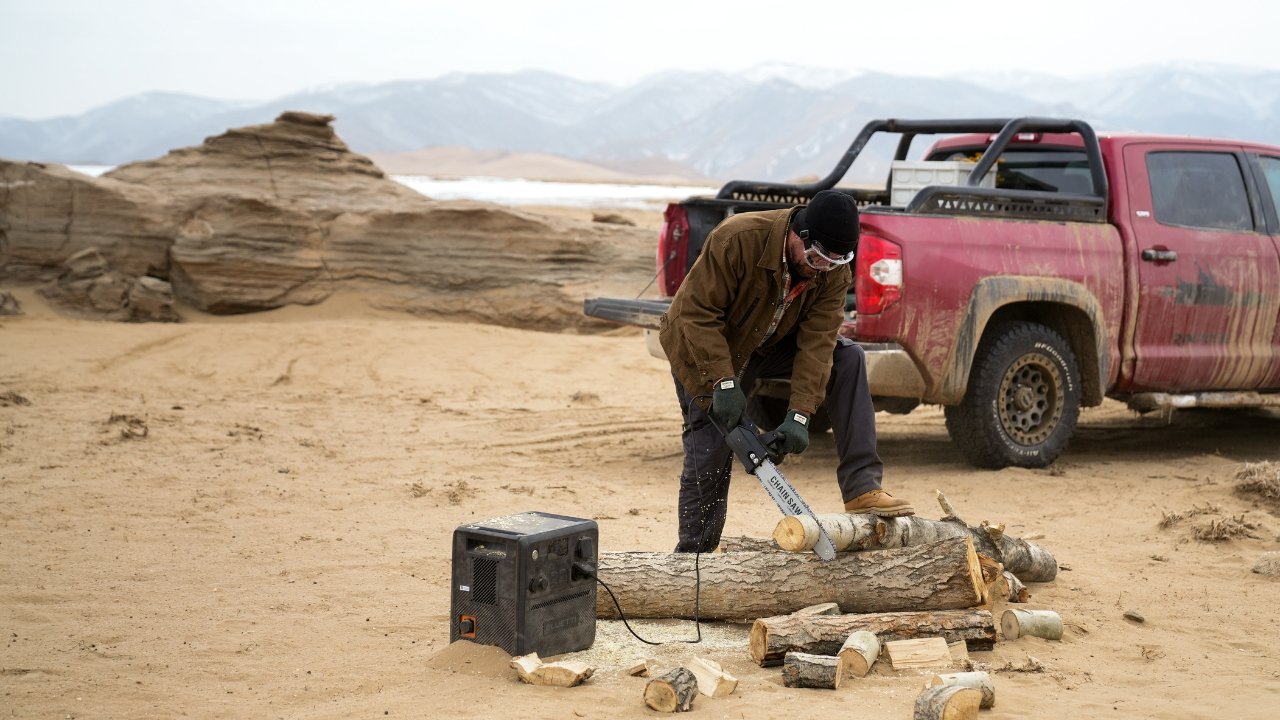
x: 89, y: 287
x: 284, y: 213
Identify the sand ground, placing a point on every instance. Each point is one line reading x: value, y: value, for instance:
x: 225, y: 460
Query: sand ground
x: 251, y: 517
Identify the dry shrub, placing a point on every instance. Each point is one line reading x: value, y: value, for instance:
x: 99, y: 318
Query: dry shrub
x: 1169, y: 519
x: 1260, y: 481
x: 1220, y: 530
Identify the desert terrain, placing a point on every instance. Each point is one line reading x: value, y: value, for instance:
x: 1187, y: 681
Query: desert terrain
x: 250, y: 516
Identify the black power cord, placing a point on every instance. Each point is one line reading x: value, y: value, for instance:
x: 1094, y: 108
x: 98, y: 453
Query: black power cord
x: 587, y: 570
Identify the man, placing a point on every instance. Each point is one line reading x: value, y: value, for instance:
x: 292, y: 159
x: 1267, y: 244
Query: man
x: 766, y: 299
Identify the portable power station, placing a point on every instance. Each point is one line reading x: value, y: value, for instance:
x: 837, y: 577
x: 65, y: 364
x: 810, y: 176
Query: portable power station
x: 525, y: 583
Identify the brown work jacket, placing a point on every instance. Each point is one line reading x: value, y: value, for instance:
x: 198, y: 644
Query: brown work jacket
x: 720, y: 315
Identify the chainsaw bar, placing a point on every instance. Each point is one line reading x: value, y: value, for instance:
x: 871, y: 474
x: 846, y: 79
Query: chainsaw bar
x: 753, y: 454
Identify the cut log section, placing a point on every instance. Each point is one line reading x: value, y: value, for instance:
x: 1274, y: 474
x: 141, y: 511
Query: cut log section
x: 713, y: 681
x: 799, y: 533
x: 774, y: 637
x: 948, y: 702
x: 860, y: 652
x: 640, y: 668
x: 1018, y: 592
x: 812, y: 671
x: 671, y: 692
x: 918, y: 653
x: 979, y: 681
x: 1037, y: 623
x: 744, y: 585
x: 565, y: 673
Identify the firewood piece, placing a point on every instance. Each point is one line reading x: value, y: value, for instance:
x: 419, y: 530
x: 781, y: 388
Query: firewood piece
x: 564, y: 673
x: 713, y: 681
x: 1037, y: 623
x: 672, y: 692
x: 742, y: 585
x: 860, y: 652
x: 799, y: 533
x: 948, y: 702
x: 812, y: 671
x: 992, y: 579
x: 980, y: 681
x: 640, y: 668
x: 819, y: 609
x: 773, y: 637
x: 1018, y: 592
x: 918, y: 653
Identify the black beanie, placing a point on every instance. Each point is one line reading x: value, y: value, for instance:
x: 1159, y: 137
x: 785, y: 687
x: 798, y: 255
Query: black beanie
x: 831, y: 218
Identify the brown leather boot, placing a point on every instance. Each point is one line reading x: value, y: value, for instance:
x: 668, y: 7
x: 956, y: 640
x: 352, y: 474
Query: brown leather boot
x: 879, y: 502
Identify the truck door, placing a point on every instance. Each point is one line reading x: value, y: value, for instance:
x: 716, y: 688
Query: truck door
x: 1207, y: 271
x: 1268, y: 175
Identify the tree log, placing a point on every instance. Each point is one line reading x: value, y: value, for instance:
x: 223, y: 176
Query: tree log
x: 812, y: 671
x: 980, y: 681
x: 948, y: 702
x: 672, y: 692
x: 774, y: 637
x: 1037, y: 623
x: 799, y: 533
x: 749, y: 585
x: 860, y: 652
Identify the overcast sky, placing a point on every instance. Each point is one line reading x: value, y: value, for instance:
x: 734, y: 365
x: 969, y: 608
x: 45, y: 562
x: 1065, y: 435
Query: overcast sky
x: 66, y: 56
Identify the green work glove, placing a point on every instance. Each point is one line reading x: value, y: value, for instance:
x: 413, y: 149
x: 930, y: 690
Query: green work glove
x: 792, y: 436
x: 727, y: 402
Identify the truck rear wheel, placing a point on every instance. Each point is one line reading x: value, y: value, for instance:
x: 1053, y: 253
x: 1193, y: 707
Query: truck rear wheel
x: 1023, y: 399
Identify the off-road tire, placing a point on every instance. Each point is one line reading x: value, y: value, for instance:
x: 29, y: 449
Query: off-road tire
x: 1022, y: 401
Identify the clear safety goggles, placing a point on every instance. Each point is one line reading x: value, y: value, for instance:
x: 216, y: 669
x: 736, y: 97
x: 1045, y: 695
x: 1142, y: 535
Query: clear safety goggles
x: 817, y: 257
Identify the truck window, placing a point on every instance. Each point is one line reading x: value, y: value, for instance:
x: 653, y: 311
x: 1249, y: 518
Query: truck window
x: 1271, y: 169
x: 1046, y: 170
x: 1199, y: 190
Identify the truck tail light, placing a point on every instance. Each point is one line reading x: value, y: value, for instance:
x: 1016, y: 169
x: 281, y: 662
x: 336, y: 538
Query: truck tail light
x: 877, y: 277
x: 673, y: 249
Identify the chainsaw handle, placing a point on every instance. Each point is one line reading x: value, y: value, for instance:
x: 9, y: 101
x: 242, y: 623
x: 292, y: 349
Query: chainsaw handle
x: 768, y: 439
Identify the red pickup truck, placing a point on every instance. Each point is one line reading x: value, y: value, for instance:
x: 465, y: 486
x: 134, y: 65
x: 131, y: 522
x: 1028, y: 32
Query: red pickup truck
x: 1057, y: 268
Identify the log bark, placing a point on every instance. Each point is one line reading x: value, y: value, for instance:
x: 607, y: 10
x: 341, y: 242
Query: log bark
x: 672, y: 692
x: 774, y: 637
x: 812, y: 671
x: 980, y: 681
x: 948, y: 702
x: 713, y: 681
x: 860, y: 652
x: 749, y: 585
x: 1030, y: 562
x: 1037, y: 623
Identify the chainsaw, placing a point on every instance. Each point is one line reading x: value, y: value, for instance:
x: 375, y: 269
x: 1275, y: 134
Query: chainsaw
x: 752, y: 449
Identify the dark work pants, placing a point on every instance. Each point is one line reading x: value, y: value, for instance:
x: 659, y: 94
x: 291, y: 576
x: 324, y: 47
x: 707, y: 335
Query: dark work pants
x: 708, y: 462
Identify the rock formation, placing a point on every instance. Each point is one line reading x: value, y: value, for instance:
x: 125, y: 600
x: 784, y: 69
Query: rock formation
x: 284, y: 213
